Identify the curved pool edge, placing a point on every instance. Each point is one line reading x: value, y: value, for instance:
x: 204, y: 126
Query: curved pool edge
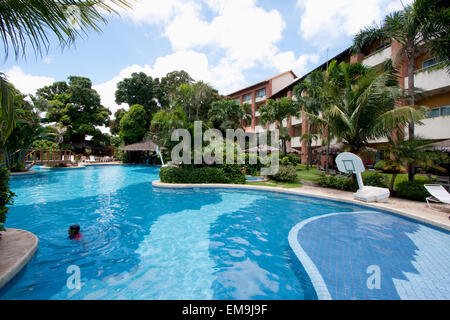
x: 316, y: 278
x: 17, y: 247
x: 379, y: 206
x: 24, y: 173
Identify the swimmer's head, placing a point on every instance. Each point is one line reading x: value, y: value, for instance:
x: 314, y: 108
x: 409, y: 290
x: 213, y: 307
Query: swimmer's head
x: 74, y: 230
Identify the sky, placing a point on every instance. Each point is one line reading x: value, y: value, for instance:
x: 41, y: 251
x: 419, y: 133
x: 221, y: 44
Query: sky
x: 229, y: 44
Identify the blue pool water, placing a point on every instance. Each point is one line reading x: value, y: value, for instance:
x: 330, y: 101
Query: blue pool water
x: 249, y: 178
x: 142, y: 242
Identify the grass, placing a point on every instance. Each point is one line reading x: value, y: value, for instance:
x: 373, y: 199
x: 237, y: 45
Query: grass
x: 313, y: 175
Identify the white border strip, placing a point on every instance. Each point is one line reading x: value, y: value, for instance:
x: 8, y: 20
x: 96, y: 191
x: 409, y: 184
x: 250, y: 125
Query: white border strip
x: 310, y: 268
x: 378, y: 206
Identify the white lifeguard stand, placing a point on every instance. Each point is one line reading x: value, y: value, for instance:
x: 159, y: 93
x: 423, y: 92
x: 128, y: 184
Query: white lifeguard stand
x: 348, y: 162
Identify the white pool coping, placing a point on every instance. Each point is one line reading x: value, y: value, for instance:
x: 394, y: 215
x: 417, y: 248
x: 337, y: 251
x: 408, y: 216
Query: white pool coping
x: 379, y: 206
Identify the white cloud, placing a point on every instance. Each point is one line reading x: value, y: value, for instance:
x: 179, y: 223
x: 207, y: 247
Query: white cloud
x: 27, y: 83
x: 325, y: 21
x: 285, y: 61
x: 224, y: 77
x: 47, y: 60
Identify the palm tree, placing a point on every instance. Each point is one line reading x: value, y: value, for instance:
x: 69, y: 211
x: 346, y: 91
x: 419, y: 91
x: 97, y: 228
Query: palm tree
x: 31, y: 22
x: 7, y: 110
x: 363, y: 105
x: 435, y: 19
x: 310, y: 97
x: 401, y: 154
x: 405, y: 28
x: 277, y: 111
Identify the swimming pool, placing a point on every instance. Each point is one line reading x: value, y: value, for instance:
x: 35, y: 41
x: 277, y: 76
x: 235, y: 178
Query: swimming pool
x: 142, y: 242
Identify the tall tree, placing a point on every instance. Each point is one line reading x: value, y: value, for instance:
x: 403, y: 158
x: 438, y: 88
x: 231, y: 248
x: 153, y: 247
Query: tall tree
x: 170, y: 83
x: 114, y: 125
x: 195, y: 99
x: 140, y: 89
x: 164, y: 123
x: 133, y: 124
x: 277, y: 111
x: 74, y: 105
x: 363, y: 105
x: 405, y: 28
x: 310, y: 96
x: 228, y: 114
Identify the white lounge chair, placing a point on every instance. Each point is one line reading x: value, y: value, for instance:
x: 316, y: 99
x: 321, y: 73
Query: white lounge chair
x: 91, y: 159
x: 350, y: 163
x: 438, y: 194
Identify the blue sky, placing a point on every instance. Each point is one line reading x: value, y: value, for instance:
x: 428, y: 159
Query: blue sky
x: 227, y: 43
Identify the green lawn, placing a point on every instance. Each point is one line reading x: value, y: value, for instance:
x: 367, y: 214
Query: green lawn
x: 313, y: 175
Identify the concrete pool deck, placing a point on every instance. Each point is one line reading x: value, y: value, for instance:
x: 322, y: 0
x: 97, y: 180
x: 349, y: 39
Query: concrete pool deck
x: 17, y: 247
x: 411, y: 209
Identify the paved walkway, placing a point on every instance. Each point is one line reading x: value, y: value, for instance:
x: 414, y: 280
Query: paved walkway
x: 17, y: 247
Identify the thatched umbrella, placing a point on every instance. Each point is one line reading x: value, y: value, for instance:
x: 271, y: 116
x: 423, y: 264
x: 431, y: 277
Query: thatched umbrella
x: 262, y: 148
x: 442, y: 146
x: 142, y: 146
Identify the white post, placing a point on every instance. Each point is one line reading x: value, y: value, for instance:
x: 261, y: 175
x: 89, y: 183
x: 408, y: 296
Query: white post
x: 360, y: 180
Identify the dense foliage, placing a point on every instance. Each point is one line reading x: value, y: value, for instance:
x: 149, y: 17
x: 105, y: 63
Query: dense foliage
x: 287, y: 173
x: 207, y: 174
x: 75, y: 106
x: 413, y: 190
x: 133, y: 124
x: 349, y: 183
x: 6, y: 196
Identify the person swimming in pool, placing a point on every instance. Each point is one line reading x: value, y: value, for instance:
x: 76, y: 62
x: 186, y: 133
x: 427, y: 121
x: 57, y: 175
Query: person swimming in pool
x: 74, y: 232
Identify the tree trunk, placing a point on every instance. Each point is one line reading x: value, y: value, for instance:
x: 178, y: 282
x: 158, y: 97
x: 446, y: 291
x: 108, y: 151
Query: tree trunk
x: 308, y: 147
x: 391, y: 187
x: 410, y: 55
x: 328, y: 151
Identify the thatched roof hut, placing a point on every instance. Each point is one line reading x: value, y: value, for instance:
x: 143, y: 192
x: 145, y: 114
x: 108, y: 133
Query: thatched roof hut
x: 142, y: 146
x: 442, y: 146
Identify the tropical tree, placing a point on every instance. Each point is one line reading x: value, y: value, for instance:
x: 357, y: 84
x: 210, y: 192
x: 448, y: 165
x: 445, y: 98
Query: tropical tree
x: 195, y: 99
x: 170, y: 84
x: 363, y: 105
x: 7, y: 111
x: 140, y: 89
x: 114, y: 124
x: 27, y: 130
x: 311, y: 98
x: 228, y: 114
x: 164, y: 123
x: 401, y: 154
x: 133, y: 124
x: 277, y: 111
x: 434, y: 16
x: 404, y: 27
x: 74, y: 106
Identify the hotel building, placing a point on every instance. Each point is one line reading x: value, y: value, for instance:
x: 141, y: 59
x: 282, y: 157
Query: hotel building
x: 432, y: 80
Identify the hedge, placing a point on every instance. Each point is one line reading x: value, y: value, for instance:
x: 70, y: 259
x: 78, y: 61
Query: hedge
x: 413, y: 190
x: 349, y: 183
x: 285, y: 173
x: 190, y: 174
x: 6, y: 196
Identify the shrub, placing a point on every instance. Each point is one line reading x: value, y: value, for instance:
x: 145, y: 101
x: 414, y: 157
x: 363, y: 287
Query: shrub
x: 375, y: 179
x: 340, y: 182
x: 252, y: 169
x: 6, y: 196
x: 191, y: 174
x: 289, y: 159
x: 413, y: 190
x: 285, y: 173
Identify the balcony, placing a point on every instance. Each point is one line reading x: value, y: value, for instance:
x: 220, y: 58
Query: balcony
x: 259, y: 99
x: 295, y: 142
x: 377, y: 57
x: 430, y: 80
x: 434, y: 128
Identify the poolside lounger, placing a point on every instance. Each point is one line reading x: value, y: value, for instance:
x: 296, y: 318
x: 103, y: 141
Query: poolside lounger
x: 438, y: 194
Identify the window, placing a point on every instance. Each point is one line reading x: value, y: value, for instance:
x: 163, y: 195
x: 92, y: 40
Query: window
x: 438, y: 112
x: 429, y: 63
x: 260, y: 93
x: 237, y: 100
x: 248, y: 97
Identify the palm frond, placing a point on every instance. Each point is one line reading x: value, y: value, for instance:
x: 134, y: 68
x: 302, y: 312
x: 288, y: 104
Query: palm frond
x: 24, y: 22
